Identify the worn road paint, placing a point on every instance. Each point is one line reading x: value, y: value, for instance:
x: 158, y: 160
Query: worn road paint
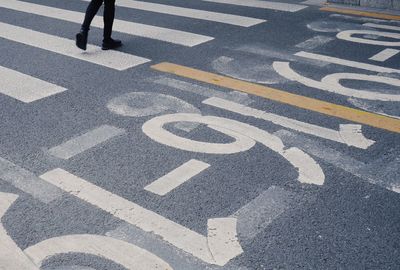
x: 256, y: 215
x: 245, y: 136
x: 261, y: 4
x: 238, y: 97
x: 190, y: 13
x: 314, y: 42
x: 177, y: 177
x: 125, y: 254
x: 331, y: 83
x: 361, y: 13
x: 94, y: 54
x: 348, y: 35
x: 348, y: 63
x: 131, y: 28
x: 26, y: 88
x: 350, y: 135
x: 28, y: 182
x: 307, y: 103
x: 384, y: 55
x: 11, y: 256
x: 149, y: 221
x: 84, y: 142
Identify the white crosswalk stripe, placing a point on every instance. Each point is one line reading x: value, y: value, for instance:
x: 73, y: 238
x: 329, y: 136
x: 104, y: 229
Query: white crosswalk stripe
x: 262, y: 4
x: 25, y: 88
x: 113, y: 59
x: 136, y: 29
x: 190, y: 13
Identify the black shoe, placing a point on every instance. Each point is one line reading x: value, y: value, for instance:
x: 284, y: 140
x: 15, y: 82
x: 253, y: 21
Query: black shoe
x: 111, y: 44
x: 81, y: 40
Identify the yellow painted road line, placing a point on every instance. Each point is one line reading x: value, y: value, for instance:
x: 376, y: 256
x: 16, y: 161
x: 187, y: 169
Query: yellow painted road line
x: 311, y: 104
x: 377, y: 15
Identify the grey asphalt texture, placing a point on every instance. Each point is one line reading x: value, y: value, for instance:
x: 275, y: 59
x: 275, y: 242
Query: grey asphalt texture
x: 347, y: 223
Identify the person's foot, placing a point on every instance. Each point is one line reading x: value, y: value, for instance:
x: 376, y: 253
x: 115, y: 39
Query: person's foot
x: 111, y: 44
x: 81, y: 39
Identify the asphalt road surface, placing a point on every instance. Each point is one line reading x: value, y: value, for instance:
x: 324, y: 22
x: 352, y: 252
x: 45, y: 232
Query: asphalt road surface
x: 223, y: 134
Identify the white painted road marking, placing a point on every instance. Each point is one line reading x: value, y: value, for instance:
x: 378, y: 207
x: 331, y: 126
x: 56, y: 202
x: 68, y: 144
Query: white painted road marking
x: 384, y: 55
x: 309, y: 170
x: 112, y: 59
x: 125, y: 254
x: 348, y: 63
x: 331, y: 83
x: 262, y: 4
x: 86, y: 141
x: 136, y: 29
x: 25, y: 88
x: 382, y: 26
x: 173, y: 233
x: 348, y: 35
x: 190, y: 13
x: 11, y: 256
x: 348, y: 134
x: 314, y: 42
x: 28, y: 182
x: 177, y: 177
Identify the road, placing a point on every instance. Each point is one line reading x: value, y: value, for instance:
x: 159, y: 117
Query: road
x: 223, y: 134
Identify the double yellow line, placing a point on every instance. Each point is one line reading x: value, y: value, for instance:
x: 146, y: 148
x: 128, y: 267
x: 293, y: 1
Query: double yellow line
x: 311, y: 104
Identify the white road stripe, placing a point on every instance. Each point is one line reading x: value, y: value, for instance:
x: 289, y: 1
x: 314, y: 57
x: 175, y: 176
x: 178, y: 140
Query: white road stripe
x: 261, y: 4
x: 11, y: 256
x: 25, y: 88
x: 314, y: 42
x: 85, y: 142
x: 137, y: 29
x: 384, y: 55
x: 27, y: 182
x: 348, y: 63
x: 177, y: 177
x: 149, y: 221
x: 382, y: 26
x: 348, y: 134
x: 112, y: 59
x: 96, y: 245
x: 190, y: 13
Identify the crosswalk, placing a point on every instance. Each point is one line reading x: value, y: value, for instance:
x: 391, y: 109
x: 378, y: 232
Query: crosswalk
x: 26, y: 88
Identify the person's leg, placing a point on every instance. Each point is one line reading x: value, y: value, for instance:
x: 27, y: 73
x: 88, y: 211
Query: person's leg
x: 109, y: 13
x: 92, y: 9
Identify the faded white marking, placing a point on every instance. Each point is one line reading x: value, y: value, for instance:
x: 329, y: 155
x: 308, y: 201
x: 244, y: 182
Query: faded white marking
x: 356, y: 18
x: 262, y: 4
x: 137, y: 29
x: 314, y: 42
x: 331, y: 83
x: 382, y: 26
x: 260, y: 212
x: 379, y: 172
x: 348, y: 134
x: 238, y: 97
x: 376, y: 107
x: 348, y: 35
x: 384, y: 55
x: 27, y: 182
x: 309, y: 171
x: 171, y: 232
x: 247, y: 69
x: 177, y: 177
x: 314, y: 2
x: 84, y: 142
x: 11, y: 256
x: 222, y: 239
x: 127, y: 255
x: 348, y: 63
x: 190, y: 13
x: 112, y: 59
x: 25, y: 88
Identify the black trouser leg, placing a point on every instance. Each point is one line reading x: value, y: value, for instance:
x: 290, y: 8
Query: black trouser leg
x: 91, y: 11
x: 109, y: 13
